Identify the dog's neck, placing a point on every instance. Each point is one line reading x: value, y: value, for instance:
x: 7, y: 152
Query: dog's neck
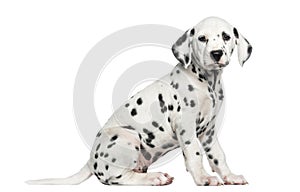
x: 213, y: 77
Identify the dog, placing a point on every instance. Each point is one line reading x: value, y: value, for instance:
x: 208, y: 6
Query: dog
x: 178, y: 110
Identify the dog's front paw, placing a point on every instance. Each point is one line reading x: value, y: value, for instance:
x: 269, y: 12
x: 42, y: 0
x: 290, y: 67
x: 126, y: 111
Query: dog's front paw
x: 208, y: 181
x: 233, y: 179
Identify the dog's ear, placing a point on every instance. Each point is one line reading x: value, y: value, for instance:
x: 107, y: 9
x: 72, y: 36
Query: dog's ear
x: 243, y: 46
x: 182, y: 48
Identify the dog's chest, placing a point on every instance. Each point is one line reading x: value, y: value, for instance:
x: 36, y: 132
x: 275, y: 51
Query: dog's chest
x: 198, y: 92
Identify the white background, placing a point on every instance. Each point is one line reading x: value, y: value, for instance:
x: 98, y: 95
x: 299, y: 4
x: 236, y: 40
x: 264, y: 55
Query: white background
x: 42, y: 45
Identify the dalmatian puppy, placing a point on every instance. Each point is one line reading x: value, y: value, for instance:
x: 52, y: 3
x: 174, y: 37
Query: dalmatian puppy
x: 179, y: 110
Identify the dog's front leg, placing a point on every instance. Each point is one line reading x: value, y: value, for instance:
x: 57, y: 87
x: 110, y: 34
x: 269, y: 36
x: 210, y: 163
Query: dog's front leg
x: 217, y: 161
x: 193, y: 158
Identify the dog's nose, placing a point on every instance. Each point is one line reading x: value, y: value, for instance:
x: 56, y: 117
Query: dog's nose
x: 216, y: 55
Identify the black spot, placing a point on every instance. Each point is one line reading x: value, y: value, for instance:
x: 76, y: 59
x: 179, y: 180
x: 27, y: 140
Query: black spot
x: 170, y: 107
x: 186, y: 58
x: 151, y: 136
x: 95, y: 165
x: 140, y: 136
x: 154, y: 123
x: 182, y: 132
x: 197, y: 153
x: 169, y: 120
x: 167, y: 145
x: 156, y: 156
x: 98, y: 134
x: 194, y: 69
x: 209, y: 89
x: 137, y: 148
x: 106, y: 155
x: 113, y: 160
x: 118, y: 177
x: 114, y: 138
x: 96, y: 156
x: 145, y: 130
x: 216, y: 162
x: 114, y: 183
x: 145, y: 153
x: 100, y: 173
x: 201, y: 77
x: 192, y: 103
x: 144, y: 169
x: 206, y: 183
x: 110, y: 145
x: 160, y: 97
x: 178, y: 108
x: 133, y: 112
x: 185, y: 100
x: 174, y: 137
x: 212, y: 120
x: 177, y: 71
x: 128, y: 127
x: 176, y: 86
x: 106, y: 167
x: 175, y: 97
x: 101, y: 154
x: 208, y: 132
x: 161, y: 129
x: 210, y: 156
x: 98, y: 146
x: 164, y: 109
x: 127, y: 105
x: 139, y: 101
x: 181, y: 39
x: 207, y: 149
x: 187, y: 142
x: 106, y: 182
x: 200, y: 120
x: 150, y: 145
x: 209, y: 140
x: 213, y: 99
x: 249, y: 50
x: 190, y: 87
x: 235, y: 32
x: 192, y: 32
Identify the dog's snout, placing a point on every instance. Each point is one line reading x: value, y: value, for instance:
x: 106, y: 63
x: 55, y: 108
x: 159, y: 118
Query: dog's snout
x: 216, y: 55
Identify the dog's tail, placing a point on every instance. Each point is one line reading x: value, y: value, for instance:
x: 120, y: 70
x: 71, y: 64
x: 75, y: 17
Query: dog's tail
x: 75, y: 179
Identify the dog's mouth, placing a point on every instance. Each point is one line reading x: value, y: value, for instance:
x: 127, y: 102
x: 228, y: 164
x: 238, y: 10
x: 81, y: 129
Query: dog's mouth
x: 217, y: 65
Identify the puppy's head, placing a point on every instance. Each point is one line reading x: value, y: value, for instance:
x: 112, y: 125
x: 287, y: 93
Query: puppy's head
x: 210, y: 44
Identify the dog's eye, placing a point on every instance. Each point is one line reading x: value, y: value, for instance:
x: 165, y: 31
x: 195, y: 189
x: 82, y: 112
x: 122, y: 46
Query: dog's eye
x: 202, y: 38
x: 225, y: 36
